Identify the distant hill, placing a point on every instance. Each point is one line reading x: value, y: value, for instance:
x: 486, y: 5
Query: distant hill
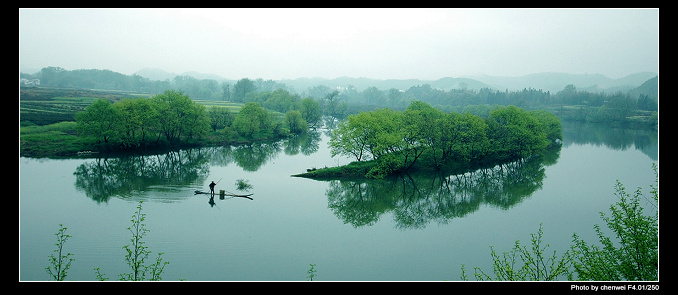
x: 552, y: 82
x: 555, y: 82
x: 162, y: 75
x: 548, y: 81
x: 361, y: 84
x: 649, y: 88
x: 155, y: 74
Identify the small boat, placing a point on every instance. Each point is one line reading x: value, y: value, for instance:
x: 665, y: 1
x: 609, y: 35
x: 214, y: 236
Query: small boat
x: 223, y: 193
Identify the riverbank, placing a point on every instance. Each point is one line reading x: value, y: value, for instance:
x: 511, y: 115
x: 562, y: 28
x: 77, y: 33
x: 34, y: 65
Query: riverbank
x: 351, y: 170
x: 373, y: 169
x: 61, y: 140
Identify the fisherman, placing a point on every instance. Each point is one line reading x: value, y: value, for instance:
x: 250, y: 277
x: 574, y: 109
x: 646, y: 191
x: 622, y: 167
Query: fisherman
x: 212, y: 185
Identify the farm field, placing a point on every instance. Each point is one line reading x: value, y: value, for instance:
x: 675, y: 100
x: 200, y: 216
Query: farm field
x: 47, y: 117
x: 44, y: 106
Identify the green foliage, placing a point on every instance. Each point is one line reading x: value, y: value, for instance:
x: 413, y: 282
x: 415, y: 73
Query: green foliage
x: 243, y: 185
x: 279, y: 100
x: 515, y: 133
x: 463, y: 138
x: 634, y: 255
x: 251, y: 120
x: 310, y: 111
x: 179, y: 116
x: 99, y: 121
x: 220, y: 117
x: 137, y: 252
x: 398, y: 140
x: 550, y: 125
x: 62, y: 261
x: 350, y: 138
x: 138, y: 119
x: 523, y: 264
x: 597, y: 107
x: 141, y: 122
x: 311, y: 272
x: 295, y: 122
x: 242, y: 88
x: 168, y: 119
x: 54, y: 139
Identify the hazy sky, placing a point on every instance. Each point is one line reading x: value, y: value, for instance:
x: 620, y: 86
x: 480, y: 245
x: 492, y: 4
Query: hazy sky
x: 329, y: 43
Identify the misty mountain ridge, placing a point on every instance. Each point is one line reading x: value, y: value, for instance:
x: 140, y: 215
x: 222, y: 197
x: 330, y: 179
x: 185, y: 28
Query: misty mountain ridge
x: 546, y: 81
x: 162, y: 75
x: 554, y: 82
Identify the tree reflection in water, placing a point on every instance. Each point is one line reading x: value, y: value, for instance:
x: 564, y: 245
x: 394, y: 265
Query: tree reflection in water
x: 133, y: 176
x: 130, y: 176
x: 418, y: 199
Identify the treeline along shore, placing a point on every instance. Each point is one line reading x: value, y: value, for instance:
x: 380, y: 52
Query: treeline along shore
x: 58, y: 121
x: 168, y: 120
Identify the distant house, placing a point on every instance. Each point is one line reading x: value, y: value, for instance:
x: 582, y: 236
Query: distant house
x: 29, y: 82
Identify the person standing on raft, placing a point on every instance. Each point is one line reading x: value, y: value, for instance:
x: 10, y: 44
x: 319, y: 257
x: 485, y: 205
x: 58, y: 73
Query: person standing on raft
x: 212, y: 185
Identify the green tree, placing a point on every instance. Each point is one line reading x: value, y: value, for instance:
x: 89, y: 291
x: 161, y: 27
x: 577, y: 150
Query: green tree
x: 138, y: 119
x: 634, y: 255
x: 310, y: 111
x: 280, y: 100
x: 332, y: 105
x: 242, y: 88
x: 179, y: 116
x: 463, y: 137
x: 513, y: 133
x: 62, y: 261
x: 384, y: 131
x: 311, y: 272
x: 137, y: 252
x: 295, y: 122
x: 252, y: 119
x: 568, y: 95
x: 373, y: 96
x: 550, y: 125
x: 523, y: 264
x: 618, y: 108
x: 352, y: 137
x: 99, y: 121
x: 220, y: 117
x: 647, y: 103
x: 197, y: 121
x: 422, y: 125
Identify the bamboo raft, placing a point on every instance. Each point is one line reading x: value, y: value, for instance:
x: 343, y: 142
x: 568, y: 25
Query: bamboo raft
x: 223, y: 193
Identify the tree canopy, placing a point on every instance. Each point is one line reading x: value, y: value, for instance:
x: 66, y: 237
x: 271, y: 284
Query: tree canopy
x: 131, y: 123
x: 398, y: 141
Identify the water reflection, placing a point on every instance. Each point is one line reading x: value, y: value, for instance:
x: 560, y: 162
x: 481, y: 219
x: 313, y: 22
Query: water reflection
x: 133, y: 176
x: 415, y: 200
x: 130, y: 175
x: 419, y: 199
x: 644, y: 140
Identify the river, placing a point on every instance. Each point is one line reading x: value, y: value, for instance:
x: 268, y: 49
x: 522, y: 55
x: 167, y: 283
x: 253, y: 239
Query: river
x: 413, y: 228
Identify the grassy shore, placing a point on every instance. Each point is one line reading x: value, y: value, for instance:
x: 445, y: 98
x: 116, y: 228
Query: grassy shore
x: 351, y: 170
x: 61, y: 140
x: 53, y: 140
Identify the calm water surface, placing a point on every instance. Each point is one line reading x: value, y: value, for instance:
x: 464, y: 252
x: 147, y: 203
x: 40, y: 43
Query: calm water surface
x: 411, y: 228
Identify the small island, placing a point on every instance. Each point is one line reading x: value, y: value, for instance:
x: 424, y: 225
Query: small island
x: 423, y: 138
